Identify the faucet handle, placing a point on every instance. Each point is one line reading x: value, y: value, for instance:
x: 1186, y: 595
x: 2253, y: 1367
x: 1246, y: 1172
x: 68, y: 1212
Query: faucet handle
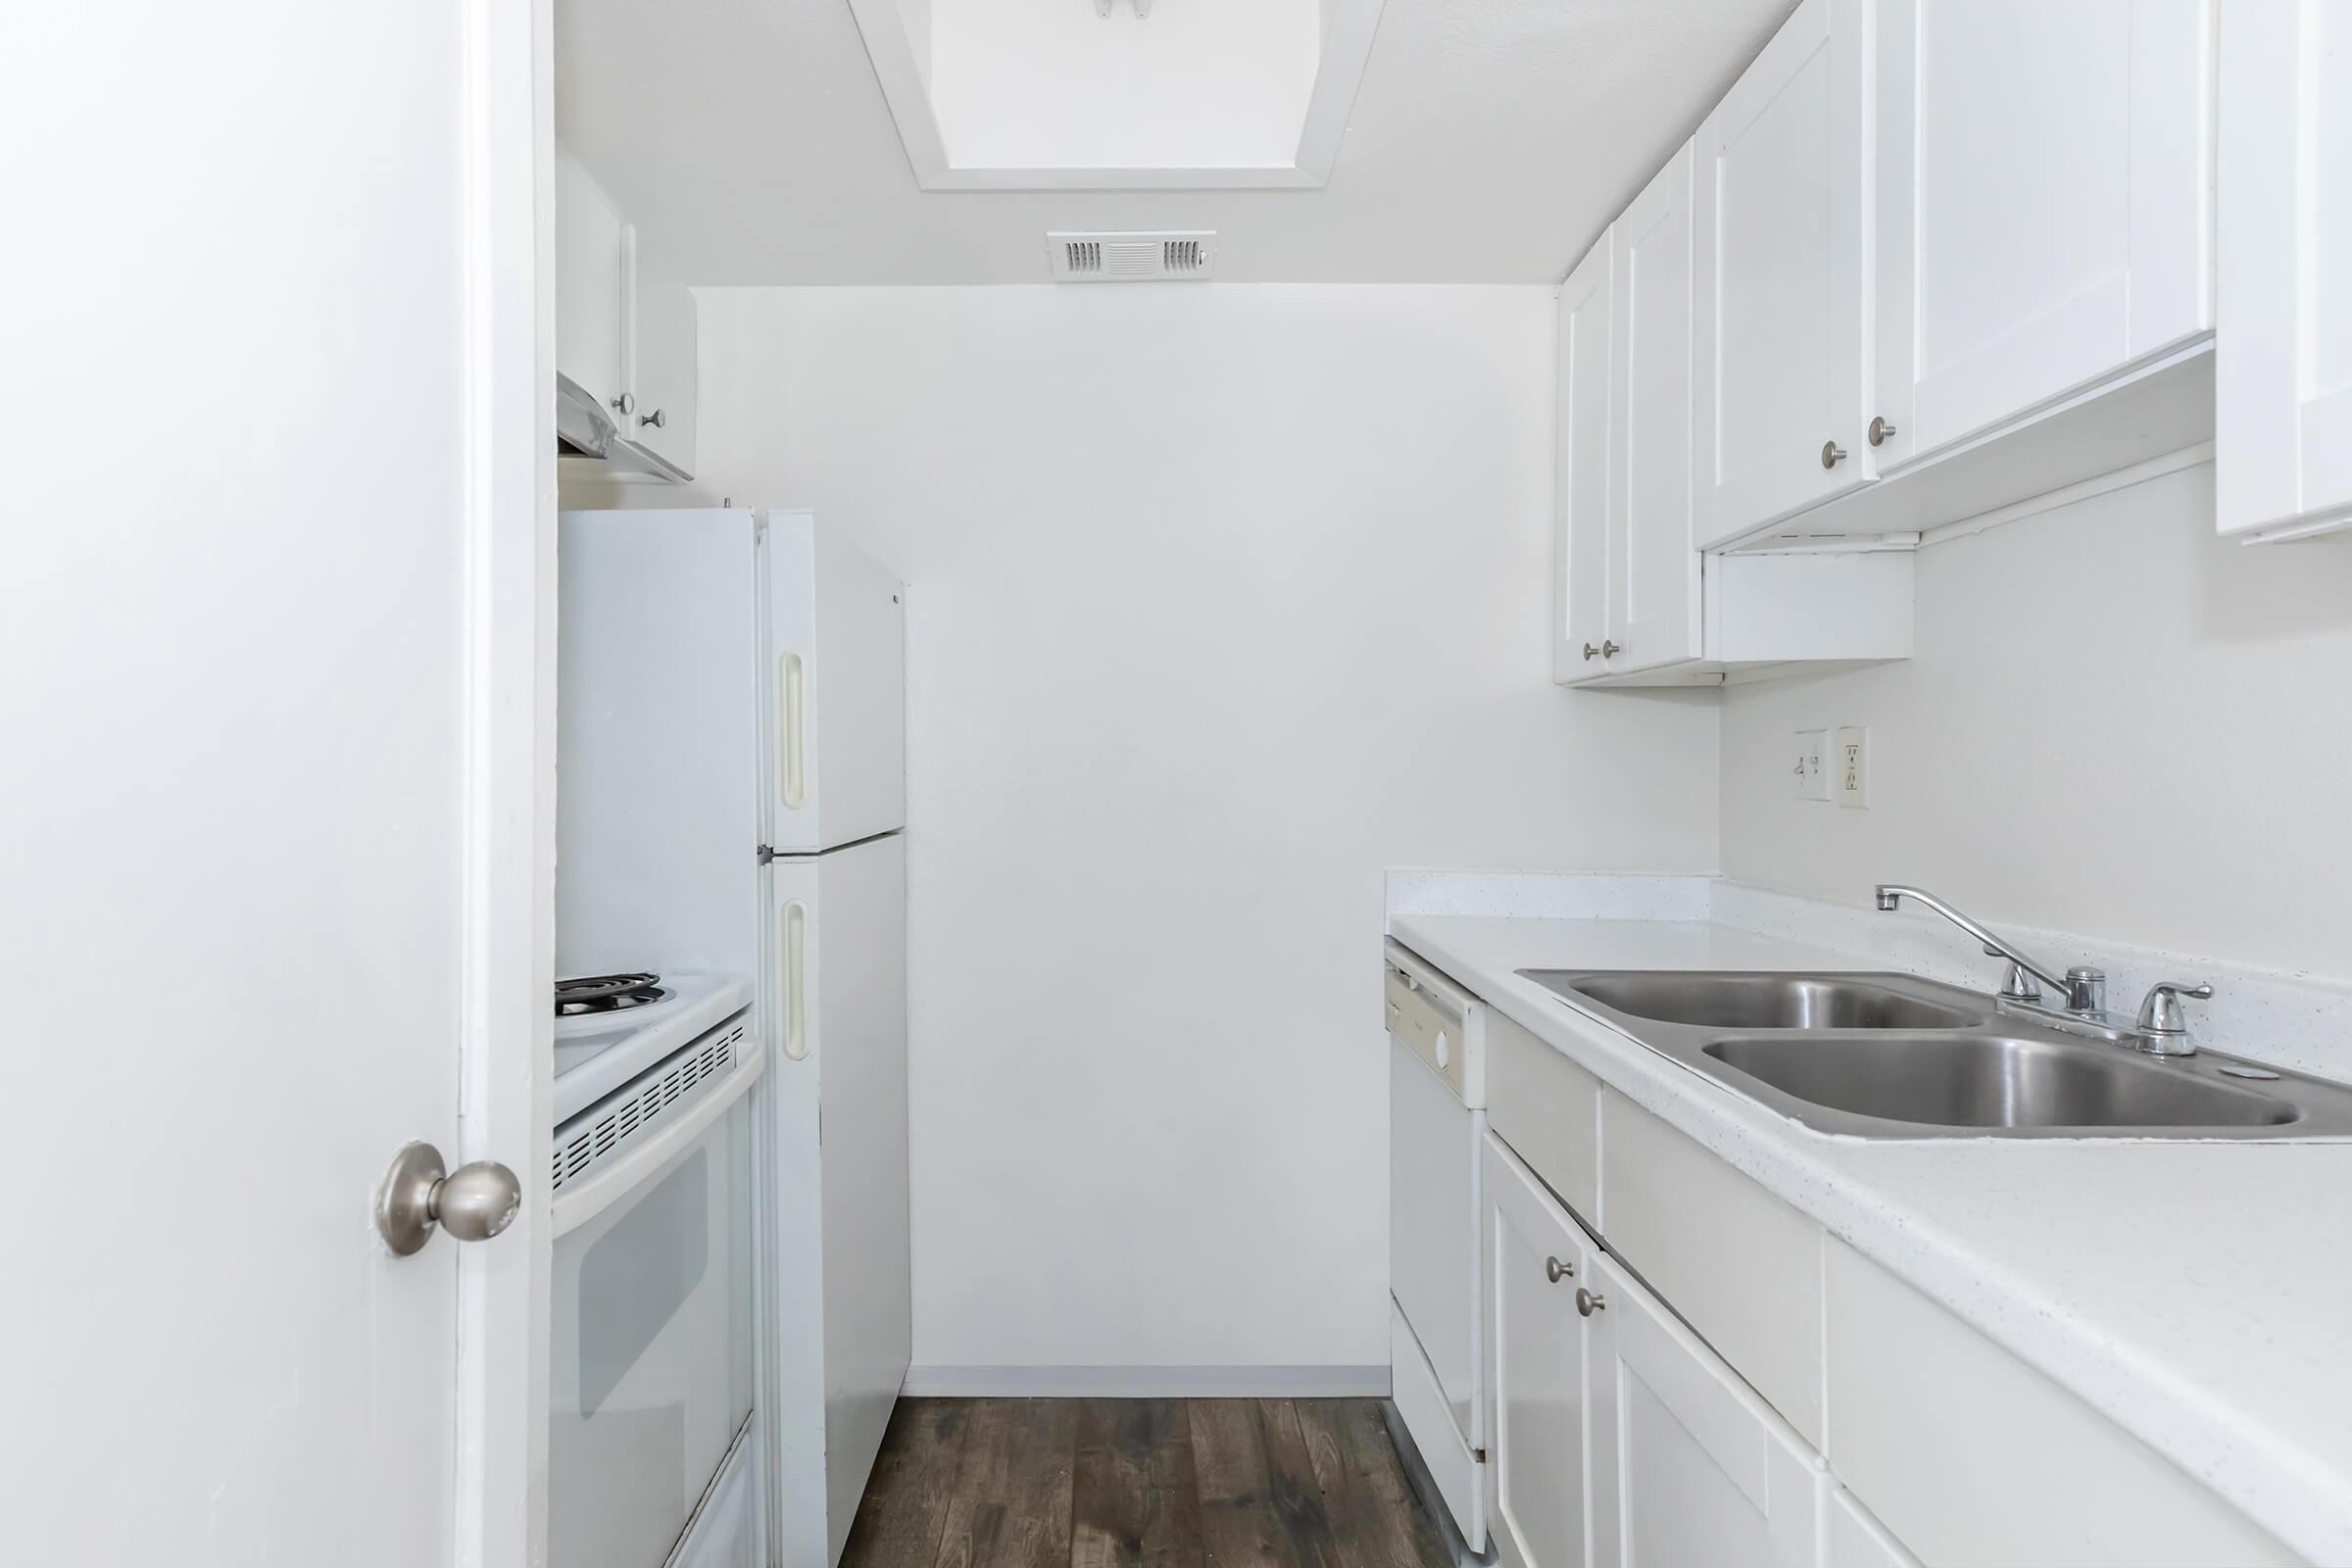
x: 2160, y: 1012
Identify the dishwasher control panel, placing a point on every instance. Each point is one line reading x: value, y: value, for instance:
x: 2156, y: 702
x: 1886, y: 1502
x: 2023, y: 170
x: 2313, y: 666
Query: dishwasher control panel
x: 1441, y: 1023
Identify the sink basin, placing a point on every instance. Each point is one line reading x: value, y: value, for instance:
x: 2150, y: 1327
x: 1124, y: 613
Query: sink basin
x: 1895, y: 1057
x: 1976, y: 1080
x: 1764, y: 1000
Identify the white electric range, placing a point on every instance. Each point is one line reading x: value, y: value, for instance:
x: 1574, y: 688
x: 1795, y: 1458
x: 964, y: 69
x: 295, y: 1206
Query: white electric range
x: 654, y: 1451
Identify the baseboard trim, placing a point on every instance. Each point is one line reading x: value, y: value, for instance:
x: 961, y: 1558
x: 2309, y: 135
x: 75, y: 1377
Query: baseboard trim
x: 1149, y: 1382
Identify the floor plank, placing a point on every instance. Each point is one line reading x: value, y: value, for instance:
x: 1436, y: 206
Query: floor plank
x: 1376, y: 1519
x: 1297, y: 1495
x: 1134, y: 1501
x: 1013, y: 1497
x: 1238, y: 1523
x: 905, y: 1504
x: 1141, y: 1483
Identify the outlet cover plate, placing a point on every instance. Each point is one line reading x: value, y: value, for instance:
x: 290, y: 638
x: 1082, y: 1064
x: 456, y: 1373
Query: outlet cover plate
x: 1850, y: 765
x: 1809, y: 766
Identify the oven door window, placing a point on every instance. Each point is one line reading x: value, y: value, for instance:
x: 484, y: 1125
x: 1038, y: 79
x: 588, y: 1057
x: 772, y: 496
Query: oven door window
x: 651, y: 1374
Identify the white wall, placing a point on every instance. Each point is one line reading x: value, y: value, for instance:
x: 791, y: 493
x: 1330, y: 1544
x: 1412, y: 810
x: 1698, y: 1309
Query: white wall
x: 1222, y: 599
x: 2113, y: 724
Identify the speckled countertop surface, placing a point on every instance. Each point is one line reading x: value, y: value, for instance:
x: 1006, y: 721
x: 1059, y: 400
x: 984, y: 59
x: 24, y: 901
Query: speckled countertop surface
x: 2198, y: 1294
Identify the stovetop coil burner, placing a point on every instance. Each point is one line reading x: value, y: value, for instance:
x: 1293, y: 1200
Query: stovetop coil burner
x: 606, y: 992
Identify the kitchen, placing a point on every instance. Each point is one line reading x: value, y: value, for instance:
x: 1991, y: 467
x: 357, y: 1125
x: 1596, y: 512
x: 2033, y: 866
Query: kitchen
x: 1970, y: 535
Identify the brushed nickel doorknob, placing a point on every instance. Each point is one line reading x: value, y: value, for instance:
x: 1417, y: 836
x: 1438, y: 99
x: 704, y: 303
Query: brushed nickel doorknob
x: 421, y: 1195
x: 1591, y: 650
x: 655, y: 419
x: 626, y: 402
x: 1610, y: 650
x: 1555, y: 1271
x: 1587, y: 1303
x: 1832, y: 454
x: 1879, y: 430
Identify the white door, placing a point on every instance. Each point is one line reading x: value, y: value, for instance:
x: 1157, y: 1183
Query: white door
x: 1783, y: 293
x: 1580, y: 539
x: 2044, y: 202
x: 2283, y: 368
x: 1653, y: 566
x: 1539, y: 1443
x: 276, y: 776
x: 1693, y: 1466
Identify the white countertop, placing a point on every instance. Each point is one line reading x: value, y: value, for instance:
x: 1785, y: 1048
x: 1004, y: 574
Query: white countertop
x: 2198, y: 1294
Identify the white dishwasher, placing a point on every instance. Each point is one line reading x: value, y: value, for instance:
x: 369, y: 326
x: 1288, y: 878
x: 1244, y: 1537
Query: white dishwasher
x: 1437, y: 1127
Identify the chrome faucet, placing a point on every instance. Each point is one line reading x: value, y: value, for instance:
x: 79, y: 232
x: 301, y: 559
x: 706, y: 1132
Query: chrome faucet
x: 2160, y: 1030
x: 2084, y: 987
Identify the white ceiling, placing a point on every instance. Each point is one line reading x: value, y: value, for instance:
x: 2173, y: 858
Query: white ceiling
x: 1491, y: 141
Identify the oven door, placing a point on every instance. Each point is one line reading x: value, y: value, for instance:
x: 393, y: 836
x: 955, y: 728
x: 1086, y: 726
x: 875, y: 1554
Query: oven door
x: 652, y: 1302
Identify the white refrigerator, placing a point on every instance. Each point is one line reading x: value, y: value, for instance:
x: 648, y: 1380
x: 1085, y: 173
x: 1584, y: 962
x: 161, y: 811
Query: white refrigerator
x: 731, y: 711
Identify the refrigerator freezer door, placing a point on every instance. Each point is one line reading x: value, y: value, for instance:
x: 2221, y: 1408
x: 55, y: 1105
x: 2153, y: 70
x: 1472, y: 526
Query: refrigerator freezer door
x: 834, y: 672
x: 835, y: 1001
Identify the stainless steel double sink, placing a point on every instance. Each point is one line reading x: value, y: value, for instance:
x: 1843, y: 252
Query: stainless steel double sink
x: 1887, y: 1056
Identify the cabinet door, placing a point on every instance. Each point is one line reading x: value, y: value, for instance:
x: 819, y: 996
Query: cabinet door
x: 1580, y: 537
x: 1653, y: 566
x: 2282, y: 433
x: 661, y: 359
x: 1537, y: 1441
x: 1695, y: 1468
x: 1782, y: 298
x: 591, y: 302
x: 2044, y: 202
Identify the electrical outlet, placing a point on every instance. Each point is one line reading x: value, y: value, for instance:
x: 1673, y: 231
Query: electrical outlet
x: 1850, y: 761
x: 1809, y: 766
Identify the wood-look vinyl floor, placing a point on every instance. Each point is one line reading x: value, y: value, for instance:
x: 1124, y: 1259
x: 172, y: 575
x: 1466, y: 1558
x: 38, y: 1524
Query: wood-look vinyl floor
x: 1147, y: 1483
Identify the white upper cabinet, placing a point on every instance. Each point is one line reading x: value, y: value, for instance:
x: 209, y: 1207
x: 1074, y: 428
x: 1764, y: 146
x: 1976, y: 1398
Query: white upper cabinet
x: 2282, y: 436
x: 661, y: 360
x: 590, y: 293
x: 1784, y: 293
x: 2044, y: 192
x: 624, y: 333
x: 1580, y: 471
x: 1653, y: 563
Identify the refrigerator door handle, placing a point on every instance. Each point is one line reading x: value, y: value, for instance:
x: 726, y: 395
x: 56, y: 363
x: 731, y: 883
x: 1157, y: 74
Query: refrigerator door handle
x: 791, y: 698
x: 796, y: 990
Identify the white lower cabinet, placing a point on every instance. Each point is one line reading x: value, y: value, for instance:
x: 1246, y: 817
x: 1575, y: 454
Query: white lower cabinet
x: 1617, y: 1438
x: 1689, y: 1464
x: 1536, y: 1456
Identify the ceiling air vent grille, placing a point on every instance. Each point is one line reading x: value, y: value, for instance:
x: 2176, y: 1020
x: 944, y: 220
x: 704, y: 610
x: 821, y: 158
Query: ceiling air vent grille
x: 1131, y: 258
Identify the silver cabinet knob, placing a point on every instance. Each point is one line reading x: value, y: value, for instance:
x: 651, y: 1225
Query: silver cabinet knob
x: 626, y: 402
x: 1591, y: 650
x: 654, y: 420
x: 1587, y: 1303
x: 421, y: 1195
x: 1879, y: 430
x: 1610, y: 650
x: 1555, y: 1271
x: 1832, y: 454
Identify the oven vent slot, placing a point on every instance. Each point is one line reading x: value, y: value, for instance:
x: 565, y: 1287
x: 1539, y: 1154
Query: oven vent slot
x: 604, y: 1131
